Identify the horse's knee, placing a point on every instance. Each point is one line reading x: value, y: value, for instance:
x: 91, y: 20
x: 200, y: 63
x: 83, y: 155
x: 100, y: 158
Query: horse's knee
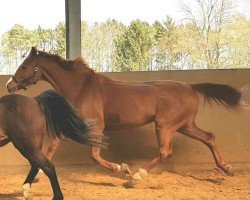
x: 211, y: 139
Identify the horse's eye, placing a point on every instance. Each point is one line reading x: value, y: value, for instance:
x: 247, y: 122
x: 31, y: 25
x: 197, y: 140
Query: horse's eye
x: 24, y: 67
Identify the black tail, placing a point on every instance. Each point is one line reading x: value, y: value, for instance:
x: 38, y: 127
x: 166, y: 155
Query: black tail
x: 220, y: 93
x: 62, y: 119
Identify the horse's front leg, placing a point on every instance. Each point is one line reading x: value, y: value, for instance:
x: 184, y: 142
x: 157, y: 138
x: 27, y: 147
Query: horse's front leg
x: 114, y: 167
x: 98, y: 126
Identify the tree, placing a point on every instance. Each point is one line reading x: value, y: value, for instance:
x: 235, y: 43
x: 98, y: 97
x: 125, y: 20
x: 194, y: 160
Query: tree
x: 59, y: 46
x: 204, y: 31
x: 98, y: 43
x: 133, y: 47
x: 15, y: 43
x: 165, y: 52
x: 238, y: 43
x: 45, y: 38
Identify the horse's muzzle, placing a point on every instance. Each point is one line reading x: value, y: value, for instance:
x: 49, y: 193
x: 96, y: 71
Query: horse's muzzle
x: 11, y: 86
x: 12, y: 89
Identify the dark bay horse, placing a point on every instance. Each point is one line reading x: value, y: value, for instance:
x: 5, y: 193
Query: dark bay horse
x: 171, y: 105
x: 24, y: 121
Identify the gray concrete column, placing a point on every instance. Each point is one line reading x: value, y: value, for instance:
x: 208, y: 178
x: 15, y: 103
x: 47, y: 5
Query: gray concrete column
x: 73, y: 28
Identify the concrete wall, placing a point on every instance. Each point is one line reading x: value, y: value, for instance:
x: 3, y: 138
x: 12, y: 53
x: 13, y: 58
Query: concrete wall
x: 138, y: 146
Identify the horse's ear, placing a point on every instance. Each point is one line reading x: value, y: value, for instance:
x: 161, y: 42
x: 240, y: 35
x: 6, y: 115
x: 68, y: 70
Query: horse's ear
x: 33, y: 51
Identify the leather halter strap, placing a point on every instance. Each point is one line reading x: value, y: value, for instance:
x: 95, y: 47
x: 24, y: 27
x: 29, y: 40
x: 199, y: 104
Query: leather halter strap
x: 32, y: 80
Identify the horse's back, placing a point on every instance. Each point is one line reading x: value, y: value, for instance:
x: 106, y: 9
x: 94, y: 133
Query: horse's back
x: 139, y: 103
x: 20, y: 113
x: 18, y: 104
x: 141, y: 91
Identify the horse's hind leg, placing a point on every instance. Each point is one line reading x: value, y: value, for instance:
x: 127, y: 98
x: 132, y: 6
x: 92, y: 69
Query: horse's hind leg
x: 164, y: 137
x: 38, y: 160
x: 191, y: 130
x: 28, y: 181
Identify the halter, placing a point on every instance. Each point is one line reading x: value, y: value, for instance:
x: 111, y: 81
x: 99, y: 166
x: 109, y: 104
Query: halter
x: 32, y: 80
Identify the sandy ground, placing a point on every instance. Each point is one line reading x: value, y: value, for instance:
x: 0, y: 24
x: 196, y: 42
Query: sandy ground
x: 91, y: 183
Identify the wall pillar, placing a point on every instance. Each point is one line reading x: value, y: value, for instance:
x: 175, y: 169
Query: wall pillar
x: 73, y: 28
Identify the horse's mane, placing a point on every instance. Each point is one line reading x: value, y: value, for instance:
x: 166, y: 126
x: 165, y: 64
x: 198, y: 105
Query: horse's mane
x: 67, y: 64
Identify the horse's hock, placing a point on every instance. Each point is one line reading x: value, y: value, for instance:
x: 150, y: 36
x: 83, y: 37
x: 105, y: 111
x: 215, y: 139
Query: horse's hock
x: 138, y: 146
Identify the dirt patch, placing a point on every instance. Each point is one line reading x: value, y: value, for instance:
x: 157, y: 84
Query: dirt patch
x: 90, y: 183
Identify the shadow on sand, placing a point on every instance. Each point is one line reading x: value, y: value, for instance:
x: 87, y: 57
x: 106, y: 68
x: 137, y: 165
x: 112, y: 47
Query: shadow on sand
x: 9, y: 196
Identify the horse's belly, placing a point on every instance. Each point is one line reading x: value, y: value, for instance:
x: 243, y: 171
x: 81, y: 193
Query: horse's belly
x: 114, y: 121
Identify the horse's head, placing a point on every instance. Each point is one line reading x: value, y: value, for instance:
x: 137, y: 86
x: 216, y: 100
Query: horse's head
x: 27, y: 73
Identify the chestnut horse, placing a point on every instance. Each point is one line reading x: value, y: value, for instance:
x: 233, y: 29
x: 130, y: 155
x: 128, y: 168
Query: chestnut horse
x: 23, y: 121
x: 115, y: 105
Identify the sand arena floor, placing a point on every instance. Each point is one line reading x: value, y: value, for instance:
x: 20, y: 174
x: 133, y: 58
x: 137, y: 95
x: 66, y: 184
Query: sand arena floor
x: 94, y: 183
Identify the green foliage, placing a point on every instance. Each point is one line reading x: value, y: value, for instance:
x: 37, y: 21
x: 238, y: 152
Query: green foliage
x: 98, y: 45
x: 45, y: 38
x: 60, y: 40
x: 238, y: 48
x: 133, y: 47
x: 166, y: 52
x: 16, y: 41
x: 14, y: 44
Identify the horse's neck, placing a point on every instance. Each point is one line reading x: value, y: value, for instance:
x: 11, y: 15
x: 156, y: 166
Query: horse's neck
x: 69, y: 83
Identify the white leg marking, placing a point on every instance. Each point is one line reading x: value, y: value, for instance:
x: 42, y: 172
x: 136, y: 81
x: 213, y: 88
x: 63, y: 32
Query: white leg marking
x: 9, y: 81
x: 119, y: 168
x: 27, y: 191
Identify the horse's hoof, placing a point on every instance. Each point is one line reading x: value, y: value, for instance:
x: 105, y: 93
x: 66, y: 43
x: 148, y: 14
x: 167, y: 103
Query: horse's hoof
x: 27, y: 192
x: 230, y: 170
x: 126, y: 169
x: 136, y: 176
x: 141, y: 173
